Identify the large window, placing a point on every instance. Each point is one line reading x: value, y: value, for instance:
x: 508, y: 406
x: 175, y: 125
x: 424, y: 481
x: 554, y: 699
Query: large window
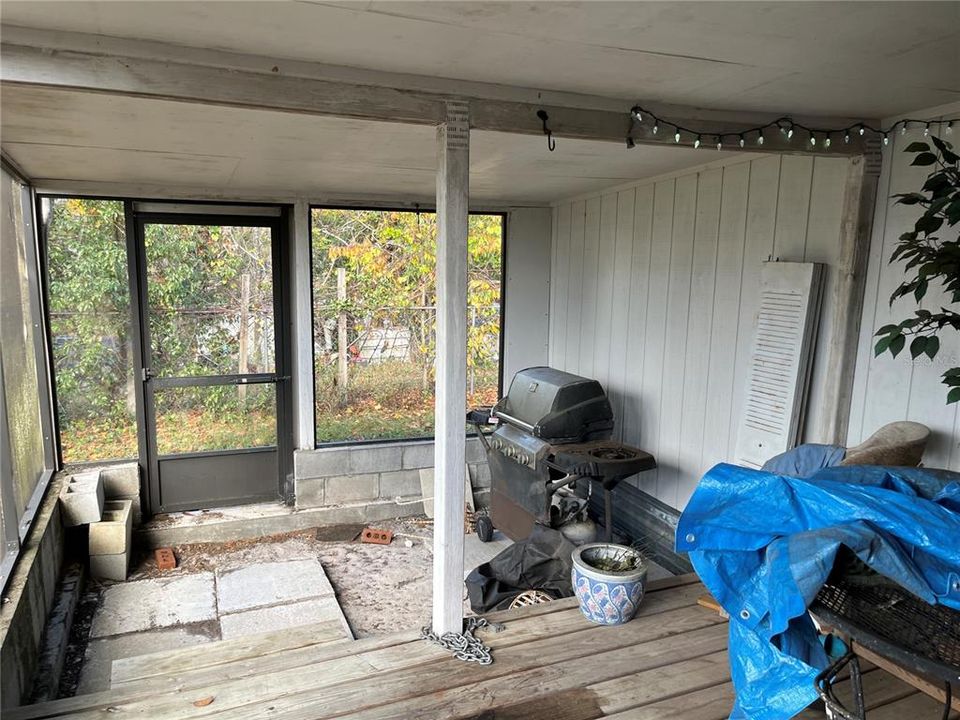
x: 374, y: 320
x: 26, y: 453
x: 89, y: 302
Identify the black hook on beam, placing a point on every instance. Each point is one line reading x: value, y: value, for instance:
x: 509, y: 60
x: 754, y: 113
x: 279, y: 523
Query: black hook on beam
x: 551, y: 143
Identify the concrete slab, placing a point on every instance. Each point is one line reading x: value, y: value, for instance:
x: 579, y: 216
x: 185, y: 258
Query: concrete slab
x: 280, y: 617
x: 101, y: 653
x: 155, y: 603
x: 270, y: 583
x: 476, y: 553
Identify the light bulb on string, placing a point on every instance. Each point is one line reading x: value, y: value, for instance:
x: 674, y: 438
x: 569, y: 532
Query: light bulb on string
x: 656, y: 128
x: 949, y: 130
x: 827, y: 141
x: 742, y: 141
x: 719, y: 143
x: 676, y: 137
x: 862, y: 130
x: 846, y: 137
x: 790, y: 133
x: 886, y: 139
x: 637, y: 116
x: 926, y: 130
x: 696, y: 143
x: 903, y: 128
x: 760, y: 138
x: 813, y: 140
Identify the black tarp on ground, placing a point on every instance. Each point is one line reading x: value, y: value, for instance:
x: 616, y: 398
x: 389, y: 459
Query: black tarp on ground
x: 541, y: 562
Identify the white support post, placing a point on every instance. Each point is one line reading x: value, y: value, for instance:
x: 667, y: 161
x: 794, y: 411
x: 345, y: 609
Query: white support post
x: 302, y: 327
x: 453, y: 172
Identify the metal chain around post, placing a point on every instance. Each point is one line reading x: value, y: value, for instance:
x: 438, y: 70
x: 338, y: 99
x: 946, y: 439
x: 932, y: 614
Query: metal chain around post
x: 465, y: 646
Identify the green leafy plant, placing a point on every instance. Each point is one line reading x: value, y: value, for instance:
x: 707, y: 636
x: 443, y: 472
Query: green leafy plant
x: 932, y: 255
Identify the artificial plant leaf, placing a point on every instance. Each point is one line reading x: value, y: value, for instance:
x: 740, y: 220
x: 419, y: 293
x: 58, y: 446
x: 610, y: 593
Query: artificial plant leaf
x: 924, y: 158
x: 917, y: 347
x: 932, y: 346
x: 887, y: 329
x: 896, y: 345
x: 916, y: 147
x: 909, y: 198
x: 928, y: 223
x: 953, y: 395
x: 882, y: 344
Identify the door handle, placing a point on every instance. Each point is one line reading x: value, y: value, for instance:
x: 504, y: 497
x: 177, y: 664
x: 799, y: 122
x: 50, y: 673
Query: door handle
x: 146, y: 374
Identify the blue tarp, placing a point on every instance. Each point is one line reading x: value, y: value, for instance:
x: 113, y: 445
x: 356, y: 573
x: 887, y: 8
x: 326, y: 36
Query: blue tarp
x: 764, y: 544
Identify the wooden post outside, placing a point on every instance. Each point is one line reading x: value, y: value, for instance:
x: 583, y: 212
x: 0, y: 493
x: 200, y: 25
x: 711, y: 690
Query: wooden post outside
x: 453, y: 174
x: 342, y: 374
x: 244, y: 333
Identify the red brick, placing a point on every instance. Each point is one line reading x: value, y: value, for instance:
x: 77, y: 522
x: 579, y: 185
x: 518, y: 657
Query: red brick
x: 166, y: 560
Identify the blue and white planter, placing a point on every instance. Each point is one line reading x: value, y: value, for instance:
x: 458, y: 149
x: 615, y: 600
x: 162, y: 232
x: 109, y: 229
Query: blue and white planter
x: 607, y: 598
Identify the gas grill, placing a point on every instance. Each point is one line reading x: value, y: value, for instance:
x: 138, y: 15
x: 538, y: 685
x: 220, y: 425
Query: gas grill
x: 552, y: 447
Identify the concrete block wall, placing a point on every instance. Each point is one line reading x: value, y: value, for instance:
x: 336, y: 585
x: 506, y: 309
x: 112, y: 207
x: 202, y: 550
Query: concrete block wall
x: 28, y: 598
x: 384, y: 477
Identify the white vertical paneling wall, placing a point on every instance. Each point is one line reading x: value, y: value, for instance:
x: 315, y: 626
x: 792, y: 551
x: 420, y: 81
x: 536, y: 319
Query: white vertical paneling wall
x: 888, y: 389
x: 654, y: 290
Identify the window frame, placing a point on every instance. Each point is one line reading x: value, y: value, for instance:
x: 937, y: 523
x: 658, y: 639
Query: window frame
x: 423, y: 209
x: 17, y: 522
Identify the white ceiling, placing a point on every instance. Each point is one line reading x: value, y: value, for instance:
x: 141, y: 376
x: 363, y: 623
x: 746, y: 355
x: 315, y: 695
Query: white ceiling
x: 67, y: 135
x: 852, y: 59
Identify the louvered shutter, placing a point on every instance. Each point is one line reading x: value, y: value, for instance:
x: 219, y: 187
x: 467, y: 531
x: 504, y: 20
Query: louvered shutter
x: 784, y: 334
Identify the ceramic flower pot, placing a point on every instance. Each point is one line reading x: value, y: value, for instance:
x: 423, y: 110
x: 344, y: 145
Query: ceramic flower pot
x: 608, y: 597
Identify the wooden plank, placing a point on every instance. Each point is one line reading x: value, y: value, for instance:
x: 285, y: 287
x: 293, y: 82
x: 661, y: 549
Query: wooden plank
x: 605, y: 300
x: 575, y: 281
x: 699, y: 321
x: 622, y: 304
x: 588, y: 313
x: 572, y: 704
x: 921, y: 684
x: 559, y: 286
x: 723, y: 333
x: 654, y: 358
x: 758, y: 247
x: 674, y: 346
x: 359, y: 659
x: 343, y: 686
x: 649, y: 686
x: 224, y: 651
x: 712, y: 703
x: 918, y: 705
x: 302, y: 335
x: 453, y: 204
x: 793, y: 208
x: 636, y: 325
x: 832, y: 382
x: 514, y: 680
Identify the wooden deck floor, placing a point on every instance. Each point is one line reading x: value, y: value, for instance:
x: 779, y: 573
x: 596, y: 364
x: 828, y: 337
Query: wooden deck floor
x: 550, y: 663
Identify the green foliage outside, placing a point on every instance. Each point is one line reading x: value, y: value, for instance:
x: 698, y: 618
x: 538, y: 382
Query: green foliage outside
x: 931, y: 252
x: 206, y: 283
x: 390, y: 259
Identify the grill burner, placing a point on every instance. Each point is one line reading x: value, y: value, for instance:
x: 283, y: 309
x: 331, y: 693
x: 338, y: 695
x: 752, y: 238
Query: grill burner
x: 553, y: 434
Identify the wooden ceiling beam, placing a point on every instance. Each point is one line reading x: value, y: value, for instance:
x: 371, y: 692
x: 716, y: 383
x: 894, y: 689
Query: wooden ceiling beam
x: 84, y: 63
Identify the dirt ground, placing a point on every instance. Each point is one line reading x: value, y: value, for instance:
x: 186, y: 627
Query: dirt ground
x: 381, y: 588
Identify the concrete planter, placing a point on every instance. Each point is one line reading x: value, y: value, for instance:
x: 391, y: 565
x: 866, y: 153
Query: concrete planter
x: 607, y: 598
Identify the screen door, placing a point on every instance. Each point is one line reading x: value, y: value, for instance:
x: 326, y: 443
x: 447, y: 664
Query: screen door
x: 208, y: 299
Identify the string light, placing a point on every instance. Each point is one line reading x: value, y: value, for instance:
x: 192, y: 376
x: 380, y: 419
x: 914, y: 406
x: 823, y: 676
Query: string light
x: 787, y: 127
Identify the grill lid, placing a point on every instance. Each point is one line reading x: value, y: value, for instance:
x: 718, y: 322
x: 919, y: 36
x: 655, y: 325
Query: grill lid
x: 556, y: 406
